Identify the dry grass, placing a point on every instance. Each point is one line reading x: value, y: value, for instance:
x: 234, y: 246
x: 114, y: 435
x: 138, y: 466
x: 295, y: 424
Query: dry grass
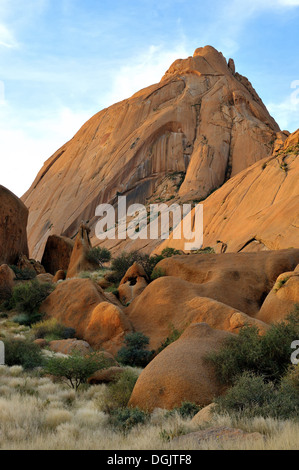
x: 36, y: 413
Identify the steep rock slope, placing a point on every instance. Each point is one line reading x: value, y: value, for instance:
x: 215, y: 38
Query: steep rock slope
x: 182, y: 137
x: 13, y: 222
x: 257, y: 209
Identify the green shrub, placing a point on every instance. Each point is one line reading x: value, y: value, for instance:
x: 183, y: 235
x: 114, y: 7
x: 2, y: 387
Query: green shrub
x: 157, y: 272
x: 186, y: 410
x: 23, y: 274
x: 252, y: 396
x: 134, y: 352
x: 118, y: 393
x: 99, y: 255
x: 22, y: 353
x: 25, y: 319
x: 292, y: 377
x: 27, y: 297
x: 174, y: 335
x: 208, y: 249
x: 76, y: 368
x: 124, y: 419
x: 124, y: 261
x: 168, y: 252
x: 267, y: 355
x: 51, y: 328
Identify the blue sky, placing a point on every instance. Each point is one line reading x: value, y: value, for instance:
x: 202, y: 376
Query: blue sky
x: 61, y: 61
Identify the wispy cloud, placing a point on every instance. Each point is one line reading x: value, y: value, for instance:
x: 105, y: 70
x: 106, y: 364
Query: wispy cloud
x: 7, y: 38
x: 142, y: 71
x: 287, y: 111
x: 25, y: 146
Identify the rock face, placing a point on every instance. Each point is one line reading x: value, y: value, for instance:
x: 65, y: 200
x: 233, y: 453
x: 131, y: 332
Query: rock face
x: 67, y: 346
x: 180, y: 372
x: 83, y: 305
x: 57, y: 254
x: 181, y: 138
x: 30, y: 264
x: 241, y: 280
x: 79, y: 261
x: 281, y: 301
x: 13, y: 222
x: 7, y: 277
x: 170, y: 302
x: 257, y: 209
x: 132, y: 284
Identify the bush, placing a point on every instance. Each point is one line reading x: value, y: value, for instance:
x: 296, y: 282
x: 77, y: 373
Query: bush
x: 123, y: 262
x: 124, y: 419
x: 252, y: 396
x: 22, y: 353
x: 134, y: 352
x: 76, y: 368
x: 174, y: 335
x: 118, y: 393
x: 27, y: 297
x: 168, y: 252
x: 292, y: 377
x: 267, y: 355
x: 23, y: 274
x: 157, y: 272
x: 51, y: 329
x: 99, y: 255
x: 186, y: 410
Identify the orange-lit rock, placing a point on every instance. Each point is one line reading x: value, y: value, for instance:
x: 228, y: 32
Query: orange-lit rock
x: 257, y: 209
x: 182, y: 138
x: 180, y: 372
x: 282, y: 299
x: 82, y: 304
x: 13, y: 222
x: 57, y: 254
x: 170, y: 302
x: 79, y: 261
x: 241, y: 280
x: 132, y: 284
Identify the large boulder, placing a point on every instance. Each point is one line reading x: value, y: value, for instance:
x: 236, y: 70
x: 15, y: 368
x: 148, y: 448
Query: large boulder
x: 181, y: 372
x: 7, y: 277
x: 30, y: 264
x: 133, y: 283
x: 57, y: 254
x: 76, y: 303
x: 281, y: 301
x: 241, y: 280
x: 107, y: 326
x: 170, y: 302
x: 105, y: 376
x: 13, y: 223
x: 68, y: 346
x: 257, y: 209
x: 79, y: 259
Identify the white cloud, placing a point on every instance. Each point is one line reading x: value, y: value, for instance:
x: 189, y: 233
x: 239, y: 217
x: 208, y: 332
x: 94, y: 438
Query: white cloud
x: 7, y: 38
x: 142, y: 71
x: 25, y: 146
x: 286, y: 113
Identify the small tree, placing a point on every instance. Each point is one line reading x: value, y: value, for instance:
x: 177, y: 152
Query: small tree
x: 134, y: 352
x: 99, y: 255
x: 27, y: 297
x: 76, y: 368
